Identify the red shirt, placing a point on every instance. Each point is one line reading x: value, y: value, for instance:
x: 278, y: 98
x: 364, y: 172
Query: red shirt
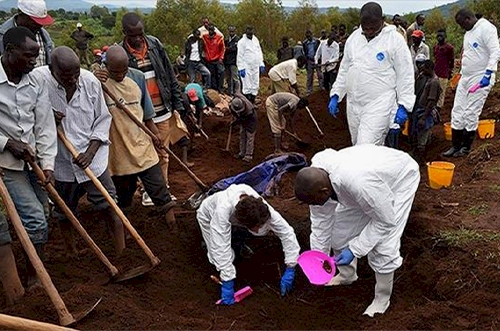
x: 213, y: 47
x: 444, y: 56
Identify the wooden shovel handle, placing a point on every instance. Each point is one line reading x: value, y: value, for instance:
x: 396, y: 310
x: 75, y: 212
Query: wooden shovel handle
x: 65, y: 317
x: 228, y: 143
x: 154, y: 260
x: 314, y: 121
x: 24, y: 324
x: 120, y: 105
x: 72, y: 218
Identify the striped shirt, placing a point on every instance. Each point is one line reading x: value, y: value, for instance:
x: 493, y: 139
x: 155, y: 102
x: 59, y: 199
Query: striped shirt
x: 86, y: 118
x: 144, y: 64
x: 41, y: 60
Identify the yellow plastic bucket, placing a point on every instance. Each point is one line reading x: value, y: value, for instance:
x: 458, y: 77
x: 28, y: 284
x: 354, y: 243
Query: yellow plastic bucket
x: 447, y: 131
x: 405, y: 129
x: 486, y: 129
x: 440, y: 174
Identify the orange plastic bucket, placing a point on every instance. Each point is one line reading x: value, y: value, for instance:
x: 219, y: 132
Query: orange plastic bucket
x: 440, y: 174
x: 486, y: 129
x: 405, y: 129
x: 447, y: 131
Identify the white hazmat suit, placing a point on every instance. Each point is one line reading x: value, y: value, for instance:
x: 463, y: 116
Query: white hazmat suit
x: 375, y: 187
x: 481, y: 52
x: 376, y: 76
x: 250, y: 59
x: 214, y: 217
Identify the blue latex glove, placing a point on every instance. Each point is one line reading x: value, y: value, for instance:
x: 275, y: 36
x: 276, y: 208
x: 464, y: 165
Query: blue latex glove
x: 333, y: 108
x: 242, y: 73
x: 401, y: 116
x: 287, y: 281
x: 345, y: 257
x: 262, y: 69
x: 227, y: 292
x: 485, y: 81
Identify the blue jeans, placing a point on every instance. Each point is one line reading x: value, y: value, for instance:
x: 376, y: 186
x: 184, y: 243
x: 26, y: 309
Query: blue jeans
x: 29, y: 199
x: 193, y: 68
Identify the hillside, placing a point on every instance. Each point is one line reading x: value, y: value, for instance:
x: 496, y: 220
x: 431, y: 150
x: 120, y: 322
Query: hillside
x: 81, y: 6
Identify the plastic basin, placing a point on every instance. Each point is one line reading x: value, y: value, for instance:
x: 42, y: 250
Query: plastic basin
x: 318, y: 267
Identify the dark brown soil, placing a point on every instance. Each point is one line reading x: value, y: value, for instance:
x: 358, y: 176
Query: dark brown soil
x: 439, y: 286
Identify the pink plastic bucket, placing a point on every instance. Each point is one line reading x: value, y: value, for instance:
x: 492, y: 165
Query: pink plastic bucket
x: 317, y: 266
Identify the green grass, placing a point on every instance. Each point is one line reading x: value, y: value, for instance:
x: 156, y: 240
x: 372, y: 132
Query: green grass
x: 478, y: 210
x: 462, y: 237
x: 495, y: 188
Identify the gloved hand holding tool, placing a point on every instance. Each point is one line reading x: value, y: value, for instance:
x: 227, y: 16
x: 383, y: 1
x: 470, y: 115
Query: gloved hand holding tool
x: 401, y: 116
x: 485, y: 81
x: 227, y: 293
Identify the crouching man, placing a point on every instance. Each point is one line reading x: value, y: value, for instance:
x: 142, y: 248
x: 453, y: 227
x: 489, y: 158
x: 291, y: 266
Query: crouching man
x: 360, y: 199
x: 226, y: 218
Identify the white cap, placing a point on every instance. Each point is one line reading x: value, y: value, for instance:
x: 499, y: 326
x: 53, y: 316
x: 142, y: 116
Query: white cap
x: 420, y: 58
x: 36, y: 10
x: 79, y: 25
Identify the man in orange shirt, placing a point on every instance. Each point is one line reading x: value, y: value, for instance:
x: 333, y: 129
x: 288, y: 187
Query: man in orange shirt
x: 213, y: 45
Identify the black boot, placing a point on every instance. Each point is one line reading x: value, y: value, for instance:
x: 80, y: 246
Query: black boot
x: 467, y: 141
x: 456, y: 139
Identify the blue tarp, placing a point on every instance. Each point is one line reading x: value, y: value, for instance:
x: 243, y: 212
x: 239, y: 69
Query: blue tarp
x: 265, y: 176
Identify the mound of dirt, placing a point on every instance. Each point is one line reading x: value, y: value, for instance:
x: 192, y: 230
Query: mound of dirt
x: 439, y: 286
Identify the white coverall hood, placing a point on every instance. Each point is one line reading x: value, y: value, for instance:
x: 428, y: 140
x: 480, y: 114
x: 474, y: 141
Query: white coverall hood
x: 375, y: 186
x: 250, y: 59
x: 214, y: 217
x: 376, y: 76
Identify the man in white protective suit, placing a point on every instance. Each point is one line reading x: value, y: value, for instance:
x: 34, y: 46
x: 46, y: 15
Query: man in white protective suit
x: 376, y: 74
x: 250, y: 63
x: 480, y: 57
x: 360, y: 198
x: 227, y: 218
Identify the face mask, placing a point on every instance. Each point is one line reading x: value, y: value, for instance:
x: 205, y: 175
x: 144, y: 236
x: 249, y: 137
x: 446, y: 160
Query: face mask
x: 263, y: 230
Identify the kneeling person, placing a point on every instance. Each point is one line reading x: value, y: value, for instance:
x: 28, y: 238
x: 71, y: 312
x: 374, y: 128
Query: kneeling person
x: 132, y: 153
x: 360, y: 200
x: 222, y: 218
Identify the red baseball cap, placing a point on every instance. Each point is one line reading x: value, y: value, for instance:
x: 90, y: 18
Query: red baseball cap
x: 418, y: 34
x: 192, y: 95
x: 36, y: 10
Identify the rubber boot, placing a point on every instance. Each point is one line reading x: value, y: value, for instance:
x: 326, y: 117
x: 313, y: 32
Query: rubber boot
x: 383, y: 291
x: 277, y: 144
x: 12, y: 286
x: 347, y: 274
x: 468, y: 139
x: 456, y: 139
x: 32, y: 280
x: 185, y: 157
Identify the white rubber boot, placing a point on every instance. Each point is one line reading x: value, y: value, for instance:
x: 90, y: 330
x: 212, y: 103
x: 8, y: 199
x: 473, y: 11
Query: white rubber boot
x: 383, y: 291
x: 346, y: 276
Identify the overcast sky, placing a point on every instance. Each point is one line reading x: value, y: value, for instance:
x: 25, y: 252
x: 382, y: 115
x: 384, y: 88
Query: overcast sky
x: 389, y: 6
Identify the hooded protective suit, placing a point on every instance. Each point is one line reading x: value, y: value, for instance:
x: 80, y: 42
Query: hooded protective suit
x: 374, y: 202
x: 376, y: 76
x: 250, y: 59
x: 214, y: 218
x: 481, y: 52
